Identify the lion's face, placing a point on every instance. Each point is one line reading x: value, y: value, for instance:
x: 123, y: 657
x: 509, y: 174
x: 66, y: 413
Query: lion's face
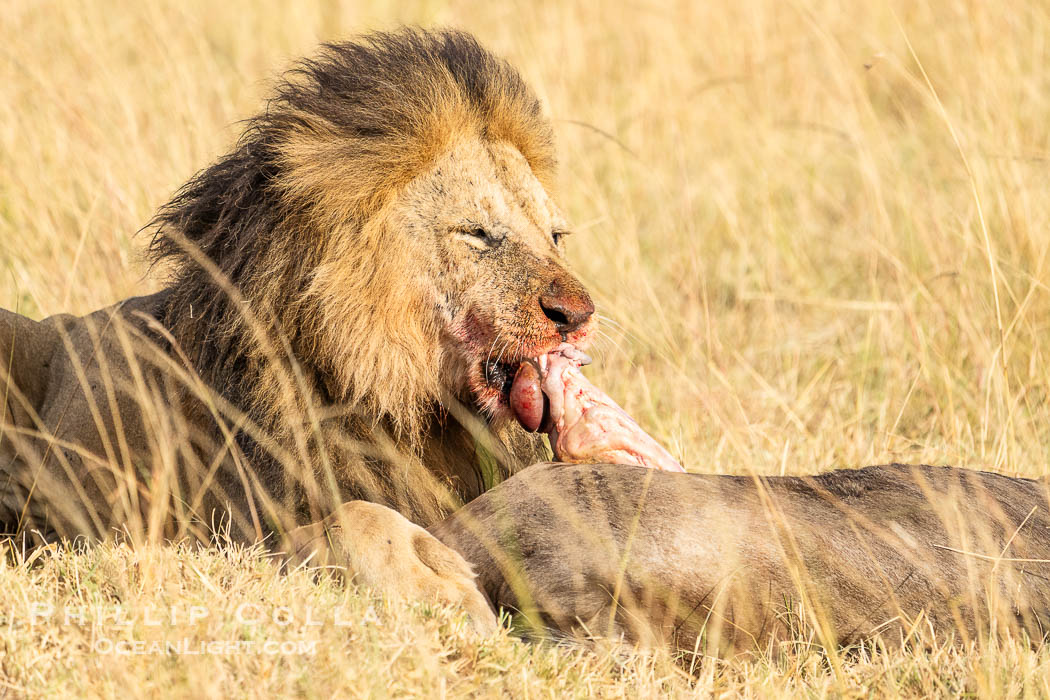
x: 489, y: 238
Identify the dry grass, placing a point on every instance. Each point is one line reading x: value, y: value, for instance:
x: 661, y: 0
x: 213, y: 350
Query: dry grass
x: 819, y: 230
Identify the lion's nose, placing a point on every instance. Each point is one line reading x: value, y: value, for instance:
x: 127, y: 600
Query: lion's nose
x: 567, y: 311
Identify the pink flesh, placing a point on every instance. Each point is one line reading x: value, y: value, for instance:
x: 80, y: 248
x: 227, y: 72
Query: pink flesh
x: 584, y: 424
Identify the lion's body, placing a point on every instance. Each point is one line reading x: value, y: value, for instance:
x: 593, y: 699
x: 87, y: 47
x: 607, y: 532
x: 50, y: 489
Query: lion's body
x: 81, y: 446
x: 59, y: 430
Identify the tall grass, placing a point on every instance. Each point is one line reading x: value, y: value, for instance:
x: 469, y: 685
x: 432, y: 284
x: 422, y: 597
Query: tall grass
x: 818, y: 232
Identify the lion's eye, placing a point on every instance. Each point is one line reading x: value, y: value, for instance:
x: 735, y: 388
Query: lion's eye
x: 478, y: 236
x: 558, y: 236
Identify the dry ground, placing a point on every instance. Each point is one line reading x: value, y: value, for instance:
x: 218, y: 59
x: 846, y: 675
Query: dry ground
x: 818, y: 230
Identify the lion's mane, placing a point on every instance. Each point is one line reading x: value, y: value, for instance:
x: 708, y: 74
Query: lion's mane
x: 251, y: 240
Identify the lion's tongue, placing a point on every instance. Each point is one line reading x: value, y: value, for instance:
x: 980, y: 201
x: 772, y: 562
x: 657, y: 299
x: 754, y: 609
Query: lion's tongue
x: 526, y: 397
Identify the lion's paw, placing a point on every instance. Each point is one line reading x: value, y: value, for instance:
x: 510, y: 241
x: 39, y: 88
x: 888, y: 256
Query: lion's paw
x: 379, y: 548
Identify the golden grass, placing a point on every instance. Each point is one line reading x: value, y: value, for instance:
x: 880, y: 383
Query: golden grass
x: 71, y: 618
x: 819, y: 231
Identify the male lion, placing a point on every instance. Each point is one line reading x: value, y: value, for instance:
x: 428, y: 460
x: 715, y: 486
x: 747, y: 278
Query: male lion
x: 352, y: 289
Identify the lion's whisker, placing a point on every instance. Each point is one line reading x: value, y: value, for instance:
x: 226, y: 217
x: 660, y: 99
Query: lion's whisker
x: 488, y: 356
x: 614, y: 342
x: 502, y: 350
x: 620, y: 327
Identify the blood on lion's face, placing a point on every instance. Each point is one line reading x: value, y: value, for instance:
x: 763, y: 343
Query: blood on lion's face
x: 489, y: 237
